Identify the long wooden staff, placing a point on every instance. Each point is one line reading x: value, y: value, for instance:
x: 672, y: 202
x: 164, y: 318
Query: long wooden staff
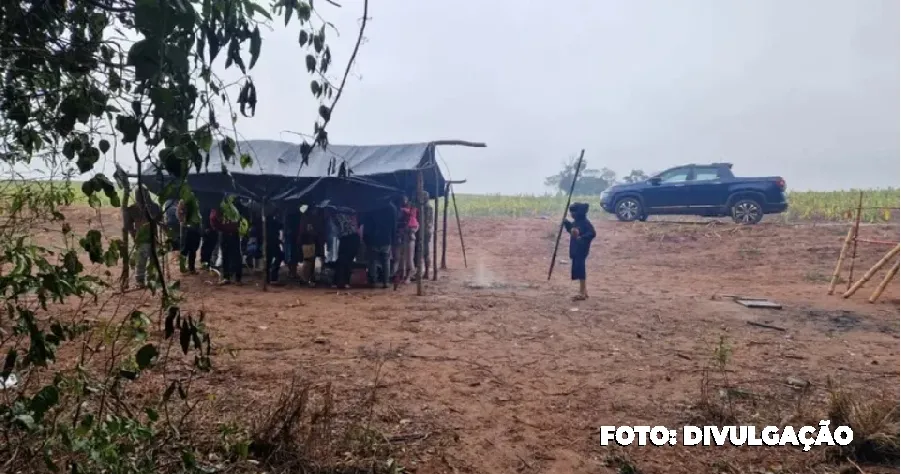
x: 572, y: 187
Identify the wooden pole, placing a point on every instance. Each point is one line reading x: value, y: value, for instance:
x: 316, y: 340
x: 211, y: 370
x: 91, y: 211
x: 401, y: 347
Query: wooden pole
x: 888, y: 277
x: 265, y: 243
x: 841, y: 259
x: 854, y: 243
x: 420, y: 240
x: 572, y: 188
x: 444, y: 228
x: 459, y: 227
x: 434, y: 243
x: 872, y: 271
x: 126, y: 261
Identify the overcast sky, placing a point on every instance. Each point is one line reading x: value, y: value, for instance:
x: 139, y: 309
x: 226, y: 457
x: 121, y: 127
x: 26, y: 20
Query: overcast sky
x: 805, y: 89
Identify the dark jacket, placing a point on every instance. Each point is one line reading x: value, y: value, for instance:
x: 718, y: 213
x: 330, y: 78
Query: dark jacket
x: 219, y: 224
x: 379, y: 225
x: 312, y: 228
x: 273, y: 227
x: 580, y: 246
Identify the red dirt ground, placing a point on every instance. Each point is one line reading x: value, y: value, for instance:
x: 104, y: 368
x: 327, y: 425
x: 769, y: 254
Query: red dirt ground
x: 497, y: 370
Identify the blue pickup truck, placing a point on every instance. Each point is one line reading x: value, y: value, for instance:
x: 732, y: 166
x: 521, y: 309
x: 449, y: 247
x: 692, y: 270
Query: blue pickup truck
x: 700, y: 190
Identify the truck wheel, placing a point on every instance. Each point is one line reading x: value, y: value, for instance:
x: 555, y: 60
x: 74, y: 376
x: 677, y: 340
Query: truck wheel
x: 746, y: 211
x: 628, y: 209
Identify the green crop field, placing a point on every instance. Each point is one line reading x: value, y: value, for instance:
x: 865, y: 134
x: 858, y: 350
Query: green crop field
x: 803, y: 205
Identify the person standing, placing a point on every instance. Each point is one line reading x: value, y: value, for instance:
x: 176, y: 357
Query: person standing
x: 348, y: 246
x: 274, y: 254
x: 141, y: 222
x: 189, y: 221
x: 581, y: 235
x: 291, y: 242
x: 173, y: 227
x: 425, y: 228
x: 210, y: 240
x: 407, y: 225
x: 312, y: 236
x: 378, y: 233
x: 229, y: 246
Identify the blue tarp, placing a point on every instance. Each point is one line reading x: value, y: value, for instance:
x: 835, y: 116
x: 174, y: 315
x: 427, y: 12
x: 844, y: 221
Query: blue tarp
x: 374, y: 174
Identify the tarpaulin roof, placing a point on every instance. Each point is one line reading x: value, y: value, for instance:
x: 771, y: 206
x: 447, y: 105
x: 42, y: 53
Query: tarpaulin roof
x: 371, y: 174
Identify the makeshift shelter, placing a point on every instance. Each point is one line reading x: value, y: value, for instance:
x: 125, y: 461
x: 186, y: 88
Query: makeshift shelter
x: 358, y: 177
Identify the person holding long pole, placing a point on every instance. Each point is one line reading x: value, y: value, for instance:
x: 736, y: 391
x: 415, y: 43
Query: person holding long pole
x: 581, y: 233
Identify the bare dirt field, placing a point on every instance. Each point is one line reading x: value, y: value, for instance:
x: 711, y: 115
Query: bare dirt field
x: 497, y: 370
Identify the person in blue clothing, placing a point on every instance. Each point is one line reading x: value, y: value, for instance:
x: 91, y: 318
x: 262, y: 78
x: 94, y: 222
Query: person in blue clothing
x: 581, y: 234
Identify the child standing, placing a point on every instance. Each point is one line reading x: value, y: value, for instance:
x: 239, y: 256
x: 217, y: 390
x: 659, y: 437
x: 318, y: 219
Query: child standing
x: 581, y: 234
x: 407, y: 225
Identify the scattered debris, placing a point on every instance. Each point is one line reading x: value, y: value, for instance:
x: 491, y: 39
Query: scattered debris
x: 766, y: 326
x: 9, y: 382
x: 796, y: 382
x: 758, y: 303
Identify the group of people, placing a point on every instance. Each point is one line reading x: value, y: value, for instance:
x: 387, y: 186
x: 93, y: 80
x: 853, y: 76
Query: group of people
x: 380, y: 242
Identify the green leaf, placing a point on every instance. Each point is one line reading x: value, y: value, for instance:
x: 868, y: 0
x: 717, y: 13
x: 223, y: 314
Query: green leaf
x: 254, y: 8
x: 104, y: 146
x: 177, y: 59
x: 204, y: 138
x: 44, y: 400
x: 152, y: 415
x: 290, y: 5
x: 145, y: 355
x: 26, y: 421
x: 311, y: 63
x: 303, y: 38
x: 170, y: 321
x: 144, y: 56
x: 9, y: 363
x: 169, y: 391
x: 325, y: 112
x: 227, y: 146
x: 188, y: 460
x: 85, y: 426
x: 148, y: 17
x: 246, y: 160
x: 184, y: 336
x: 129, y: 127
x: 256, y: 42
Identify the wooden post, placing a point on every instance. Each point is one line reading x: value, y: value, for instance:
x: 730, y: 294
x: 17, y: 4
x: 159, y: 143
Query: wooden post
x: 434, y: 242
x: 572, y: 188
x: 841, y: 259
x: 872, y: 271
x: 888, y: 277
x: 854, y: 243
x: 126, y: 260
x: 420, y: 240
x: 459, y: 227
x: 444, y: 228
x: 265, y: 244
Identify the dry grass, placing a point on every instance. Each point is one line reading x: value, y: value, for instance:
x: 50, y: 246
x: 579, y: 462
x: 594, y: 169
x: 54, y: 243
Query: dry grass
x: 303, y: 432
x: 874, y: 421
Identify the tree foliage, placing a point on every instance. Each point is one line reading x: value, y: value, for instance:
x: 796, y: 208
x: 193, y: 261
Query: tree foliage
x: 591, y: 181
x: 79, y: 81
x: 635, y: 176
